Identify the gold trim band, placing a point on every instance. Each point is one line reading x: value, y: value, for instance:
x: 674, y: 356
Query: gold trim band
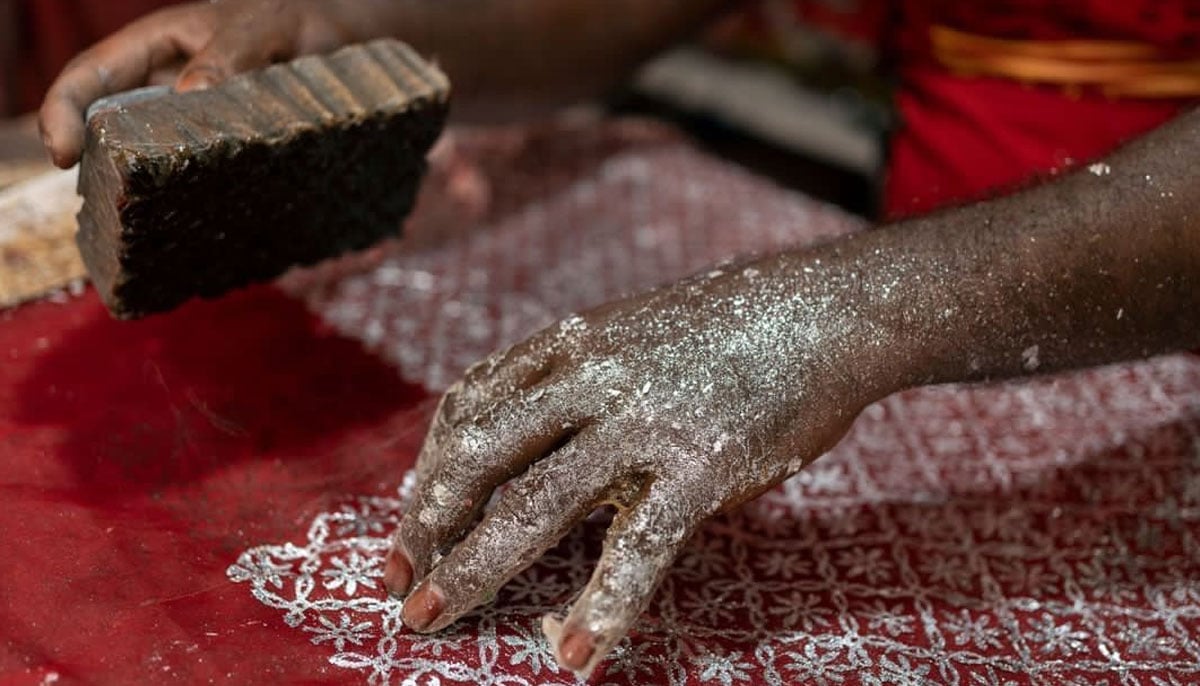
x: 1116, y: 68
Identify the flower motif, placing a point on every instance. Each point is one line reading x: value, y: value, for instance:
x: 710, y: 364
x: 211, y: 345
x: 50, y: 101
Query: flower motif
x: 1052, y: 637
x: 952, y: 571
x: 823, y: 480
x: 530, y: 649
x: 966, y: 630
x: 802, y: 610
x: 632, y: 660
x: 783, y: 564
x: 1146, y: 641
x: 349, y: 572
x: 534, y: 587
x: 362, y: 518
x: 340, y: 633
x: 258, y: 567
x: 810, y: 666
x: 899, y: 671
x: 865, y: 562
x: 723, y: 669
x: 894, y: 620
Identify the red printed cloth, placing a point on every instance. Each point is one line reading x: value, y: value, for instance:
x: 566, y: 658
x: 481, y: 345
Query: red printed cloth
x: 205, y: 496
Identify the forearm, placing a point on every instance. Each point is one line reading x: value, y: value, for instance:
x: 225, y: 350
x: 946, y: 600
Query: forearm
x: 1099, y: 266
x: 510, y: 55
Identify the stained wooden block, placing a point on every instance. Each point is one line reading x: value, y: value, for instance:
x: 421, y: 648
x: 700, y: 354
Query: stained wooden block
x: 194, y: 194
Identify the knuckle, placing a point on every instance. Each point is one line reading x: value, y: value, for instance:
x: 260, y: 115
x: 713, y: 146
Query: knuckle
x: 473, y: 372
x: 482, y: 369
x: 526, y: 500
x: 466, y: 443
x: 413, y: 535
x: 209, y: 65
x: 448, y: 409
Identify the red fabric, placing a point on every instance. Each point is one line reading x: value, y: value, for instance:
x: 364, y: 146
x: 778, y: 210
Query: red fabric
x: 54, y: 31
x: 858, y: 20
x: 962, y: 138
x: 140, y: 457
x: 967, y: 139
x: 184, y: 495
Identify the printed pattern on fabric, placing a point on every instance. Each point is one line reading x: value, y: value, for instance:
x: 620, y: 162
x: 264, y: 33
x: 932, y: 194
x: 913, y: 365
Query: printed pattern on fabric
x: 1041, y: 532
x: 900, y: 558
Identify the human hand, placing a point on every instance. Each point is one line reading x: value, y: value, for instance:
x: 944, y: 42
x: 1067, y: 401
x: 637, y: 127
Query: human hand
x: 203, y: 42
x: 671, y: 406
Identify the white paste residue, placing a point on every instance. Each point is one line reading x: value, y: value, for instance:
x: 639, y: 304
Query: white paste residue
x: 907, y: 555
x: 1029, y: 358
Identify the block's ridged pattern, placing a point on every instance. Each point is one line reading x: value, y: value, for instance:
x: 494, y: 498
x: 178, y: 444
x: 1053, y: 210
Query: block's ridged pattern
x: 193, y: 194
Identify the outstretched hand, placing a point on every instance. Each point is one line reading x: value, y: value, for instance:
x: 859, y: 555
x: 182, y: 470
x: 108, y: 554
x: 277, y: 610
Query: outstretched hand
x: 670, y: 406
x: 693, y: 398
x: 191, y: 46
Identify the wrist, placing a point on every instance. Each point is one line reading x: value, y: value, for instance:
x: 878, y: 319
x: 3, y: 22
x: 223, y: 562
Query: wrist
x: 830, y: 309
x: 889, y: 316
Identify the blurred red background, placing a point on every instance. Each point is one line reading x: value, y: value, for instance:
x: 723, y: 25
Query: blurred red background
x: 44, y: 34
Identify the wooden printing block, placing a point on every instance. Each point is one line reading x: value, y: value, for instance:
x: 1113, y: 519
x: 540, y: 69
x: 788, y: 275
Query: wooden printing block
x: 194, y: 194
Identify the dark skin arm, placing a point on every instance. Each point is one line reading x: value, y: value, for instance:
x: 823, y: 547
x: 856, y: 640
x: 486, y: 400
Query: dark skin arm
x: 690, y: 399
x: 504, y: 57
x: 694, y: 398
x: 1098, y: 267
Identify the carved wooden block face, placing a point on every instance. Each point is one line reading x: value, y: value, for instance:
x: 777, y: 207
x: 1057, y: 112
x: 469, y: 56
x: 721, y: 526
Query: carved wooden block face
x: 194, y: 194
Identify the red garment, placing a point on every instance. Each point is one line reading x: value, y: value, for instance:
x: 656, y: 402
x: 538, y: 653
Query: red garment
x: 961, y: 138
x: 54, y: 31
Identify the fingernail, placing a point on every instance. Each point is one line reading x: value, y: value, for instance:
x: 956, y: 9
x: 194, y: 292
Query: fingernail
x: 397, y: 573
x: 576, y: 649
x: 197, y: 79
x: 423, y: 607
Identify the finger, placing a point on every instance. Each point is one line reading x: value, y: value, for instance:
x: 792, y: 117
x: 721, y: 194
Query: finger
x: 499, y: 376
x: 243, y: 43
x: 165, y: 76
x: 639, y: 549
x: 495, y: 379
x: 120, y: 62
x: 473, y: 459
x: 530, y: 517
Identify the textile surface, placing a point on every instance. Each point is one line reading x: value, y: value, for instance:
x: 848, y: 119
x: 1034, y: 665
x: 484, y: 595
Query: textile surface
x: 204, y: 496
x: 37, y: 235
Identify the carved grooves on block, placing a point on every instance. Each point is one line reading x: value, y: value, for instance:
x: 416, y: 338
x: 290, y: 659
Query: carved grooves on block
x: 308, y: 93
x: 290, y: 164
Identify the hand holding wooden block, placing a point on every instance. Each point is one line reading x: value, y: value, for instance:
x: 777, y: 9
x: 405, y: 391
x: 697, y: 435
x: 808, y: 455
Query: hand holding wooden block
x: 194, y: 194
